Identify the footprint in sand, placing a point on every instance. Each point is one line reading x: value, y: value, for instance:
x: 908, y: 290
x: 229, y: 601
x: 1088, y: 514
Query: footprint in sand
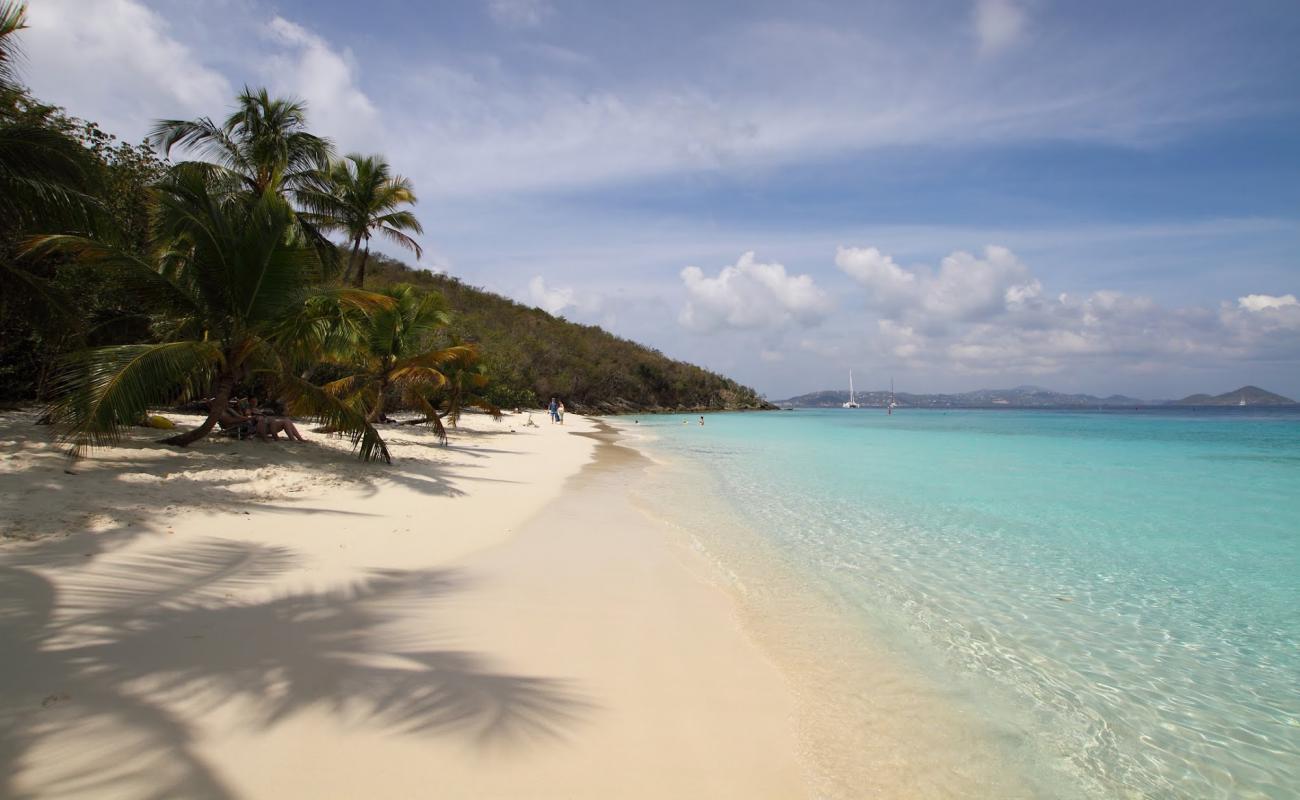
x: 54, y: 698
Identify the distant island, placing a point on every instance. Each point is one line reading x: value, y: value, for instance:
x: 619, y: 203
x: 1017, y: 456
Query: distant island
x: 1246, y: 395
x: 1030, y: 397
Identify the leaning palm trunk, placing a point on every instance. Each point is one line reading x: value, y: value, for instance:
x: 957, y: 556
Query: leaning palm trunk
x: 216, y: 407
x: 377, y: 413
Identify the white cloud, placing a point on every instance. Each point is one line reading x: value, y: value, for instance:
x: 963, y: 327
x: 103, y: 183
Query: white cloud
x: 991, y: 316
x: 117, y: 63
x: 965, y: 287
x: 1261, y: 302
x: 556, y: 299
x: 751, y: 294
x: 889, y: 282
x: 327, y: 80
x: 551, y: 300
x: 998, y: 24
x: 746, y: 94
x: 519, y: 13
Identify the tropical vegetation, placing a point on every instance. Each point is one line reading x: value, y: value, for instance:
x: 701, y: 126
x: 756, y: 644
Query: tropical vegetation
x: 219, y: 258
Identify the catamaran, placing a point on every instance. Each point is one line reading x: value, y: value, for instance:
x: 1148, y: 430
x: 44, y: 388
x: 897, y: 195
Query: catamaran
x: 852, y: 403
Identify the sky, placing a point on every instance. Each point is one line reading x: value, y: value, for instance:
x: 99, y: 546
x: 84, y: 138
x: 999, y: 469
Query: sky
x: 955, y: 194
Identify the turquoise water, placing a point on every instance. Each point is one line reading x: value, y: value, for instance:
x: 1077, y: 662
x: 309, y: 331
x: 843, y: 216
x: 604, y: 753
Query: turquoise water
x: 1127, y: 585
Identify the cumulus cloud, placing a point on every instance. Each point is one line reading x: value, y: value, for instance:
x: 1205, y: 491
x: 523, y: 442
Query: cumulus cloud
x: 551, y: 300
x: 116, y: 62
x: 519, y: 13
x: 749, y: 295
x: 557, y: 299
x: 888, y: 282
x: 308, y: 67
x: 998, y: 24
x: 965, y: 287
x: 990, y: 315
x: 1261, y: 302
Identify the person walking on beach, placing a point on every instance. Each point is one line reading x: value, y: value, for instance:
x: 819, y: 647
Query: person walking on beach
x: 552, y: 408
x: 559, y: 410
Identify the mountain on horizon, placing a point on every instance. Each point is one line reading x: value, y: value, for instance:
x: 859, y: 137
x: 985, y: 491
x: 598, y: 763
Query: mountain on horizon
x: 1017, y: 397
x: 1030, y: 397
x: 1248, y: 395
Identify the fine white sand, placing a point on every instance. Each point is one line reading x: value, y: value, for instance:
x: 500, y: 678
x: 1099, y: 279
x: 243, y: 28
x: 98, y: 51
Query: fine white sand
x: 247, y: 619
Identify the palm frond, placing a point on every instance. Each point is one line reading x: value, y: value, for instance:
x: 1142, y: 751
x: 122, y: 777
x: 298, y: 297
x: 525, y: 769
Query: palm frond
x: 13, y: 18
x: 45, y: 179
x: 308, y: 400
x: 401, y: 239
x: 154, y: 289
x: 108, y: 388
x: 44, y: 304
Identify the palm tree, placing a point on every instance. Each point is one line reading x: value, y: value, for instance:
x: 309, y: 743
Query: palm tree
x: 393, y: 353
x: 264, y: 145
x: 265, y: 142
x: 358, y: 196
x: 236, y: 287
x: 466, y: 378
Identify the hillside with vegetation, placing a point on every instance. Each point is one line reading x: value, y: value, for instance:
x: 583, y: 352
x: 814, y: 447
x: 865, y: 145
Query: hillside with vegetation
x: 532, y: 355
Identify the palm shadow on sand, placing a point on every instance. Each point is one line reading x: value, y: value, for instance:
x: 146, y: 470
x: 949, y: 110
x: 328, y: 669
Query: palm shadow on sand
x: 93, y: 668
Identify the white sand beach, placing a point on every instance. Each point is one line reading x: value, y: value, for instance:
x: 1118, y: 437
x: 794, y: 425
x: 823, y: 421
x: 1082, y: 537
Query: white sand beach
x: 247, y: 619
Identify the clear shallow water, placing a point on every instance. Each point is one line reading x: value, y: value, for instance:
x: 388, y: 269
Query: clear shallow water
x: 1119, y: 593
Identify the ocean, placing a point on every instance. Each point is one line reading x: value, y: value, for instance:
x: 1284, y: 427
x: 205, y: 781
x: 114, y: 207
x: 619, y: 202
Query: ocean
x: 1011, y: 603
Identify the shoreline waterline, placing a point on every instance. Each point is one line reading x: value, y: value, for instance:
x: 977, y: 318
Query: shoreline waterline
x: 970, y: 566
x: 871, y: 723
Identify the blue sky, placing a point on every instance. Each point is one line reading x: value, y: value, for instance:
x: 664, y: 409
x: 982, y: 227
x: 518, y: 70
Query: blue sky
x: 1099, y: 197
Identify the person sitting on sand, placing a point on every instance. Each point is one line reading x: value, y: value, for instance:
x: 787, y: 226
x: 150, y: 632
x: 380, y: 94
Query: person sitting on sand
x: 244, y: 425
x: 272, y: 424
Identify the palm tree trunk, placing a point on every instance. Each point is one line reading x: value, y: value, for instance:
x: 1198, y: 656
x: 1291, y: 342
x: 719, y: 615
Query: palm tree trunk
x: 377, y: 413
x: 352, y: 259
x: 225, y: 385
x: 361, y: 268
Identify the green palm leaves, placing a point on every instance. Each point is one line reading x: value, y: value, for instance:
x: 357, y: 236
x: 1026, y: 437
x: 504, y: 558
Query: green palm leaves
x: 264, y: 142
x: 360, y: 196
x: 394, y: 356
x: 13, y: 18
x: 244, y: 285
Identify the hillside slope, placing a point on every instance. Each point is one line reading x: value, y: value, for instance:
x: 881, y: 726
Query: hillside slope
x: 532, y: 356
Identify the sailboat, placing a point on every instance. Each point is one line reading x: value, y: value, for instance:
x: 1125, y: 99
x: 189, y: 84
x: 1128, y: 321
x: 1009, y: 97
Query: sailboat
x: 852, y: 403
x: 1242, y: 401
x: 889, y: 409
